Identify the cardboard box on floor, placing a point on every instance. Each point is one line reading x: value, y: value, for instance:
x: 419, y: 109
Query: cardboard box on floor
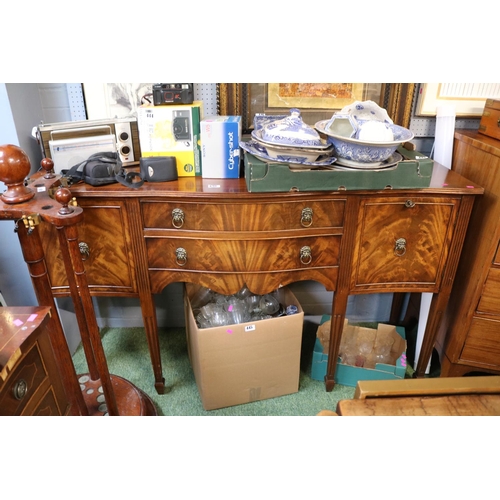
x: 248, y: 362
x: 350, y: 375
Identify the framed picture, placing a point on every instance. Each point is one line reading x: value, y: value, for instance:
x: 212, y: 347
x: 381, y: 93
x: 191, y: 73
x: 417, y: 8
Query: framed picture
x: 315, y: 101
x: 114, y: 100
x: 313, y: 95
x: 468, y: 98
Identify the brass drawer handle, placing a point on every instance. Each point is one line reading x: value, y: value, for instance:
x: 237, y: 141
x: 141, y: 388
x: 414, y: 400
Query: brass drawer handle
x: 400, y: 247
x: 409, y: 204
x: 181, y: 257
x: 20, y: 389
x: 84, y: 250
x: 177, y: 218
x: 306, y: 255
x: 306, y: 218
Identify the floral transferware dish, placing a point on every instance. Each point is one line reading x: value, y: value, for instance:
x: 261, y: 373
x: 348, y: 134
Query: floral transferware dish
x: 349, y: 149
x: 392, y: 161
x: 344, y: 125
x: 258, y: 149
x: 289, y: 131
x: 307, y: 154
x: 260, y: 120
x: 366, y: 110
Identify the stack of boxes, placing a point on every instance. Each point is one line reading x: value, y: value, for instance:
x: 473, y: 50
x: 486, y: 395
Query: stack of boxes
x: 207, y: 147
x: 172, y: 130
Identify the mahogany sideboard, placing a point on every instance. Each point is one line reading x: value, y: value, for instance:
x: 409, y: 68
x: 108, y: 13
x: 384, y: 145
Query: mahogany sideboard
x: 470, y: 336
x: 214, y: 232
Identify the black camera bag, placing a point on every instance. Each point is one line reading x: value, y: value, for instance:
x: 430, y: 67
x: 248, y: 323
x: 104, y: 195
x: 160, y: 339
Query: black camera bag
x: 98, y: 169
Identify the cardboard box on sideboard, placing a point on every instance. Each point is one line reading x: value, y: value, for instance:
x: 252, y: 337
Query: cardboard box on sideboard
x: 247, y: 362
x: 173, y: 130
x: 220, y: 146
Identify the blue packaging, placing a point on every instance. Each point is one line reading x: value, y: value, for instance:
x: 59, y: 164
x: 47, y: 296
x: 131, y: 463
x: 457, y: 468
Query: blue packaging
x: 220, y: 147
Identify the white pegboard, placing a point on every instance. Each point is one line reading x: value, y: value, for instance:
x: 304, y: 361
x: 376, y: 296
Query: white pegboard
x: 426, y: 127
x: 422, y: 126
x: 76, y: 102
x: 206, y: 92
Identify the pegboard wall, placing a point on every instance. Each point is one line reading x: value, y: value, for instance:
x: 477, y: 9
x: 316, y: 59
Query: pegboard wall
x: 423, y: 126
x: 206, y: 92
x: 76, y: 102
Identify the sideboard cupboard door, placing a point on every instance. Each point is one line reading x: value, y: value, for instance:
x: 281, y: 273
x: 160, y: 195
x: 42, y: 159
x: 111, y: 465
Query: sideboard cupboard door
x: 402, y: 243
x: 105, y: 247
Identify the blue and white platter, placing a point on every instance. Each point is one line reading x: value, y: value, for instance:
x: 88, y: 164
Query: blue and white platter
x: 257, y: 135
x: 258, y: 149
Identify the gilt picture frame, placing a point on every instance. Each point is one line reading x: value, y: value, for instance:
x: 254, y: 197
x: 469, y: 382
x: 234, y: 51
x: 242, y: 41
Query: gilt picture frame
x: 468, y: 99
x: 247, y: 99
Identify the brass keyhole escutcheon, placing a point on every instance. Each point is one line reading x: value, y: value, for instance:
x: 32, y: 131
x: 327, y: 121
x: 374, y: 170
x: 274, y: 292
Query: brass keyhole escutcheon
x: 20, y: 389
x: 400, y: 247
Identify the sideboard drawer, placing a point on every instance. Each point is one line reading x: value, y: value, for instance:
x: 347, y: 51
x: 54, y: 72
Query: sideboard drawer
x: 27, y: 377
x: 242, y: 255
x: 242, y: 216
x: 403, y: 242
x: 489, y: 302
x: 483, y: 342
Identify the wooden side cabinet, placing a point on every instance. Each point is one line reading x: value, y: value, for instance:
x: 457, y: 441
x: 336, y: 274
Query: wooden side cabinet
x: 30, y: 380
x: 470, y: 335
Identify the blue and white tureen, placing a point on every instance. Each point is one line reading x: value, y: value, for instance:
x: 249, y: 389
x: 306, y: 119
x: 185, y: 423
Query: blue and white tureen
x: 290, y: 131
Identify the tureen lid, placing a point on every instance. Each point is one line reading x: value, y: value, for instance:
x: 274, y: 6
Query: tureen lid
x: 291, y: 131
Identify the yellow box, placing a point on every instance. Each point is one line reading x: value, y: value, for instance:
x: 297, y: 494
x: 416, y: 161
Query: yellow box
x: 172, y: 130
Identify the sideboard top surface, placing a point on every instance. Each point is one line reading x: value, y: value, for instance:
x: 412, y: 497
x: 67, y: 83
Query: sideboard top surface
x: 442, y: 181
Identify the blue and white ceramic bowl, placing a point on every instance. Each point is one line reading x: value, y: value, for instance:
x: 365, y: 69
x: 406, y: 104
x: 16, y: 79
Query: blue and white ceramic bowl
x: 356, y: 152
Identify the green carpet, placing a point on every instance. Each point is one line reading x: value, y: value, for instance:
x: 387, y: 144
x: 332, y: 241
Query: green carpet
x: 128, y: 357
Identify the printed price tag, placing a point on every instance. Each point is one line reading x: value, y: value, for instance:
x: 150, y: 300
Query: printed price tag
x: 249, y: 328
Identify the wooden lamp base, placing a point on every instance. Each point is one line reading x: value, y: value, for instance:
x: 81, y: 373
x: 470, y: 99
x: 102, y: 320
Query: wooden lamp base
x: 131, y: 401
